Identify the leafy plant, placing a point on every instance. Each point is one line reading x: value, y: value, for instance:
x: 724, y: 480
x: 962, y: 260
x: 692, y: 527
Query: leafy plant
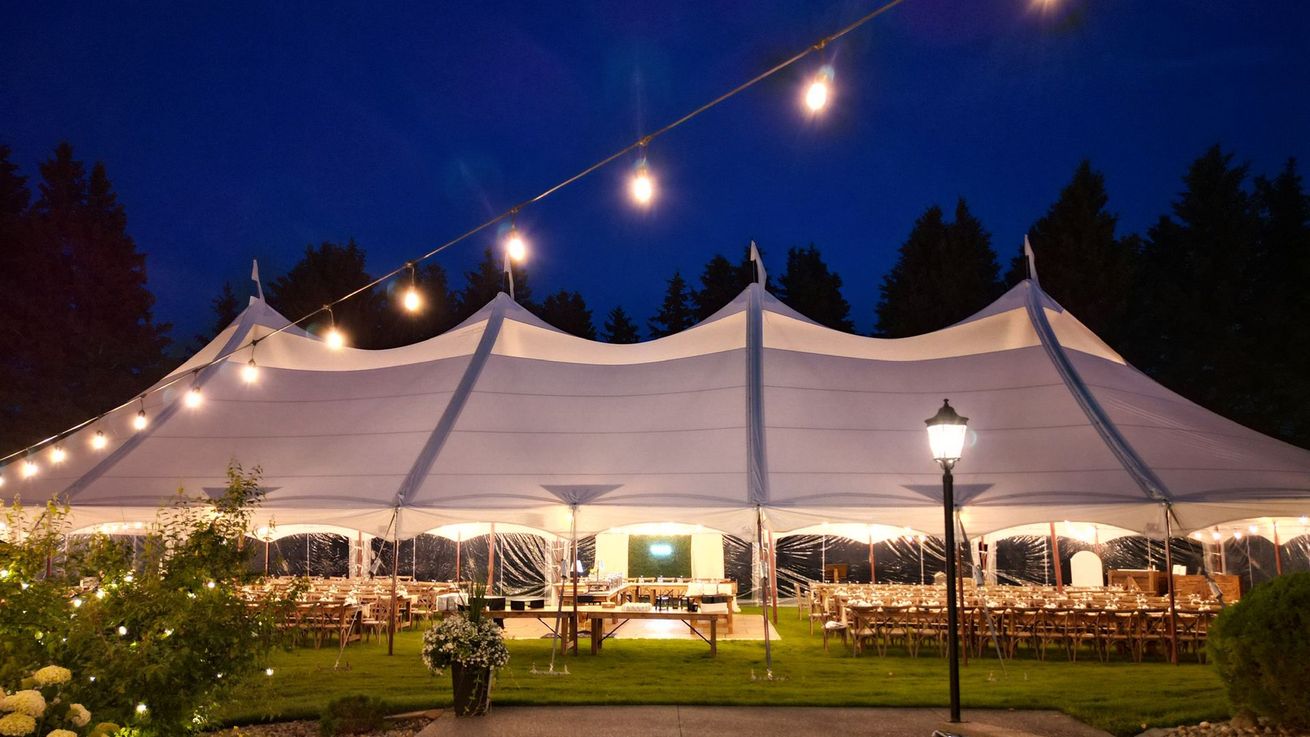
x: 352, y: 715
x: 1261, y: 649
x: 157, y: 638
x: 466, y: 638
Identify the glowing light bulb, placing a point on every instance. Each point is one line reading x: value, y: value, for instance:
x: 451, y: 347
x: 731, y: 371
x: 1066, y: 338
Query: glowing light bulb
x: 250, y: 372
x: 1303, y: 519
x: 1253, y: 529
x: 268, y: 672
x: 1215, y: 535
x: 29, y: 469
x: 122, y: 631
x: 1237, y: 535
x: 335, y: 339
x: 99, y: 441
x: 819, y: 91
x: 139, y: 422
x: 77, y: 602
x: 642, y: 184
x: 2, y: 483
x: 58, y: 455
x: 515, y: 246
x: 412, y: 301
x: 193, y: 397
x: 142, y: 708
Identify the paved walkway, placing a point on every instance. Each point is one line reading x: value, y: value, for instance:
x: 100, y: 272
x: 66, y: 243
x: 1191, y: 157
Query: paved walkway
x: 752, y: 721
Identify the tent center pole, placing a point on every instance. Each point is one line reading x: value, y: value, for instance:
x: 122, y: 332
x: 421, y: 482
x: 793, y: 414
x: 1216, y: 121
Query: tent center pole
x: 764, y: 600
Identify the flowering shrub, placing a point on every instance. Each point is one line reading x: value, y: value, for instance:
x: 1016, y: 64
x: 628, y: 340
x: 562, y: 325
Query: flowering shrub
x: 470, y: 643
x: 156, y: 636
x: 32, y: 711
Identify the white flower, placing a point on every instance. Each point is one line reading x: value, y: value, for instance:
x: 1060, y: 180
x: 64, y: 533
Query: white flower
x: 61, y: 733
x: 79, y: 715
x: 29, y: 702
x: 52, y: 675
x: 17, y: 725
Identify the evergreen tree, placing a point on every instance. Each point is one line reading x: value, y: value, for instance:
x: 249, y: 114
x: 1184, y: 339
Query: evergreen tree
x: 226, y: 309
x: 619, y: 327
x: 1282, y: 304
x: 721, y: 281
x: 323, y: 275
x: 568, y: 312
x: 945, y: 273
x: 1079, y: 260
x: 83, y: 346
x: 486, y: 281
x: 675, y: 314
x: 808, y: 287
x: 1192, y: 324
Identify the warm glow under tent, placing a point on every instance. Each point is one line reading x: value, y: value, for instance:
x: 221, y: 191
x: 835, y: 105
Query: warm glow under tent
x: 506, y: 419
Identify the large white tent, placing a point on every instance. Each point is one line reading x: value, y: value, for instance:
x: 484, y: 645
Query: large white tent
x: 506, y: 419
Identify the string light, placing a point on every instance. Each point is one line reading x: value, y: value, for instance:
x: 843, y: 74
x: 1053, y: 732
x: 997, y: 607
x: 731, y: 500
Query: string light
x: 58, y: 455
x: 250, y: 372
x: 193, y: 398
x: 515, y: 245
x: 642, y: 184
x: 1253, y: 529
x: 99, y: 441
x: 335, y: 339
x: 139, y: 422
x: 819, y: 90
x: 815, y: 97
x: 1215, y: 535
x: 412, y: 301
x: 29, y: 468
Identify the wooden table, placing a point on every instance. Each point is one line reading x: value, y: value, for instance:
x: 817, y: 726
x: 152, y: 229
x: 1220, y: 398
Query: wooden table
x: 1147, y: 581
x: 600, y: 615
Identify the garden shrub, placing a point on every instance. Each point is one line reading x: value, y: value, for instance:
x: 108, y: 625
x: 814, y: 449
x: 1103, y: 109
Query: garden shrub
x: 1261, y: 648
x: 156, y: 638
x: 352, y: 715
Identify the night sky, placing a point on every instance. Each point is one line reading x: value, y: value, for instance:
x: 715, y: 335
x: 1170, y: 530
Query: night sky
x: 239, y: 132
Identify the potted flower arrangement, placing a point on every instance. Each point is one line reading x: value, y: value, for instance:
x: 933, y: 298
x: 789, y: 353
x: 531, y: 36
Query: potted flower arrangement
x: 473, y: 647
x: 39, y: 706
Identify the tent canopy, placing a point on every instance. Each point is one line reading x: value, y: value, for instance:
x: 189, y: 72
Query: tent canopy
x: 506, y: 419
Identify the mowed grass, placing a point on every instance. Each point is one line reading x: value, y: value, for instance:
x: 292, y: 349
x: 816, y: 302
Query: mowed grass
x: 1119, y: 697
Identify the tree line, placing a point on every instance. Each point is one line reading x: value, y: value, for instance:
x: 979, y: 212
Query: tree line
x: 1211, y: 300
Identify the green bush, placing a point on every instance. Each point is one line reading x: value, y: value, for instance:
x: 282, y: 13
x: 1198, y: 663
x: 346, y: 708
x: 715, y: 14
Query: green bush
x: 352, y: 715
x: 156, y: 639
x: 1261, y: 648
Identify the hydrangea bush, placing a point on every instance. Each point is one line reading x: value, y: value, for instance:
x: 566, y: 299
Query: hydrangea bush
x: 40, y: 707
x: 156, y: 636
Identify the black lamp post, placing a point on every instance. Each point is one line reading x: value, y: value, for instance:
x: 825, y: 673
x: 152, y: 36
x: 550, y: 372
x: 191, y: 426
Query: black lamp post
x: 946, y: 433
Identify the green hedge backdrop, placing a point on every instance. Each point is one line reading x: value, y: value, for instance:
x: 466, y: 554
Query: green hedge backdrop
x: 642, y: 563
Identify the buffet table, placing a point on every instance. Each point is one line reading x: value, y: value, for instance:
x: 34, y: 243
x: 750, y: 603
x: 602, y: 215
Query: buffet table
x: 599, y: 617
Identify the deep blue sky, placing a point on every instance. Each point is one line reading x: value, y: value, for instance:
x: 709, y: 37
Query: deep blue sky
x: 236, y: 132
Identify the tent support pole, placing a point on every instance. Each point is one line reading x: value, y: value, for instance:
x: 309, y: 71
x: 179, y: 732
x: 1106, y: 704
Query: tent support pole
x: 395, y: 562
x: 873, y: 562
x: 1173, y: 606
x: 459, y: 536
x: 773, y: 575
x: 491, y: 561
x: 958, y: 583
x: 1278, y: 553
x: 764, y: 610
x: 1055, y: 560
x: 575, y: 626
x: 265, y: 556
x: 823, y: 558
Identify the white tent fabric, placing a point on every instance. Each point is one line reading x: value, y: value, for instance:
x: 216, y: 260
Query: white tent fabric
x: 507, y: 419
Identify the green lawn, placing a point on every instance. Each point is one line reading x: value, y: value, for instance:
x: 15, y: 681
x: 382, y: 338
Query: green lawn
x: 1119, y: 697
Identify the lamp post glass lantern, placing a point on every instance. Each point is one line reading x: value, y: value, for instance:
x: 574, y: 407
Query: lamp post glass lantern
x: 946, y: 433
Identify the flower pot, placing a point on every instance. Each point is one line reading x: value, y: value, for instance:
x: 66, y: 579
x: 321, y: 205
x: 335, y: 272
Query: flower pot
x: 472, y: 687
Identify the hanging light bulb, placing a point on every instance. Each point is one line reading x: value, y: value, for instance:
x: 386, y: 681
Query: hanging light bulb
x: 139, y: 422
x: 250, y: 372
x: 99, y: 441
x: 1237, y: 535
x: 29, y: 468
x: 515, y: 246
x: 58, y: 455
x: 1215, y: 535
x: 1253, y: 529
x: 335, y: 339
x: 642, y: 184
x: 193, y: 397
x: 411, y: 300
x: 819, y: 90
